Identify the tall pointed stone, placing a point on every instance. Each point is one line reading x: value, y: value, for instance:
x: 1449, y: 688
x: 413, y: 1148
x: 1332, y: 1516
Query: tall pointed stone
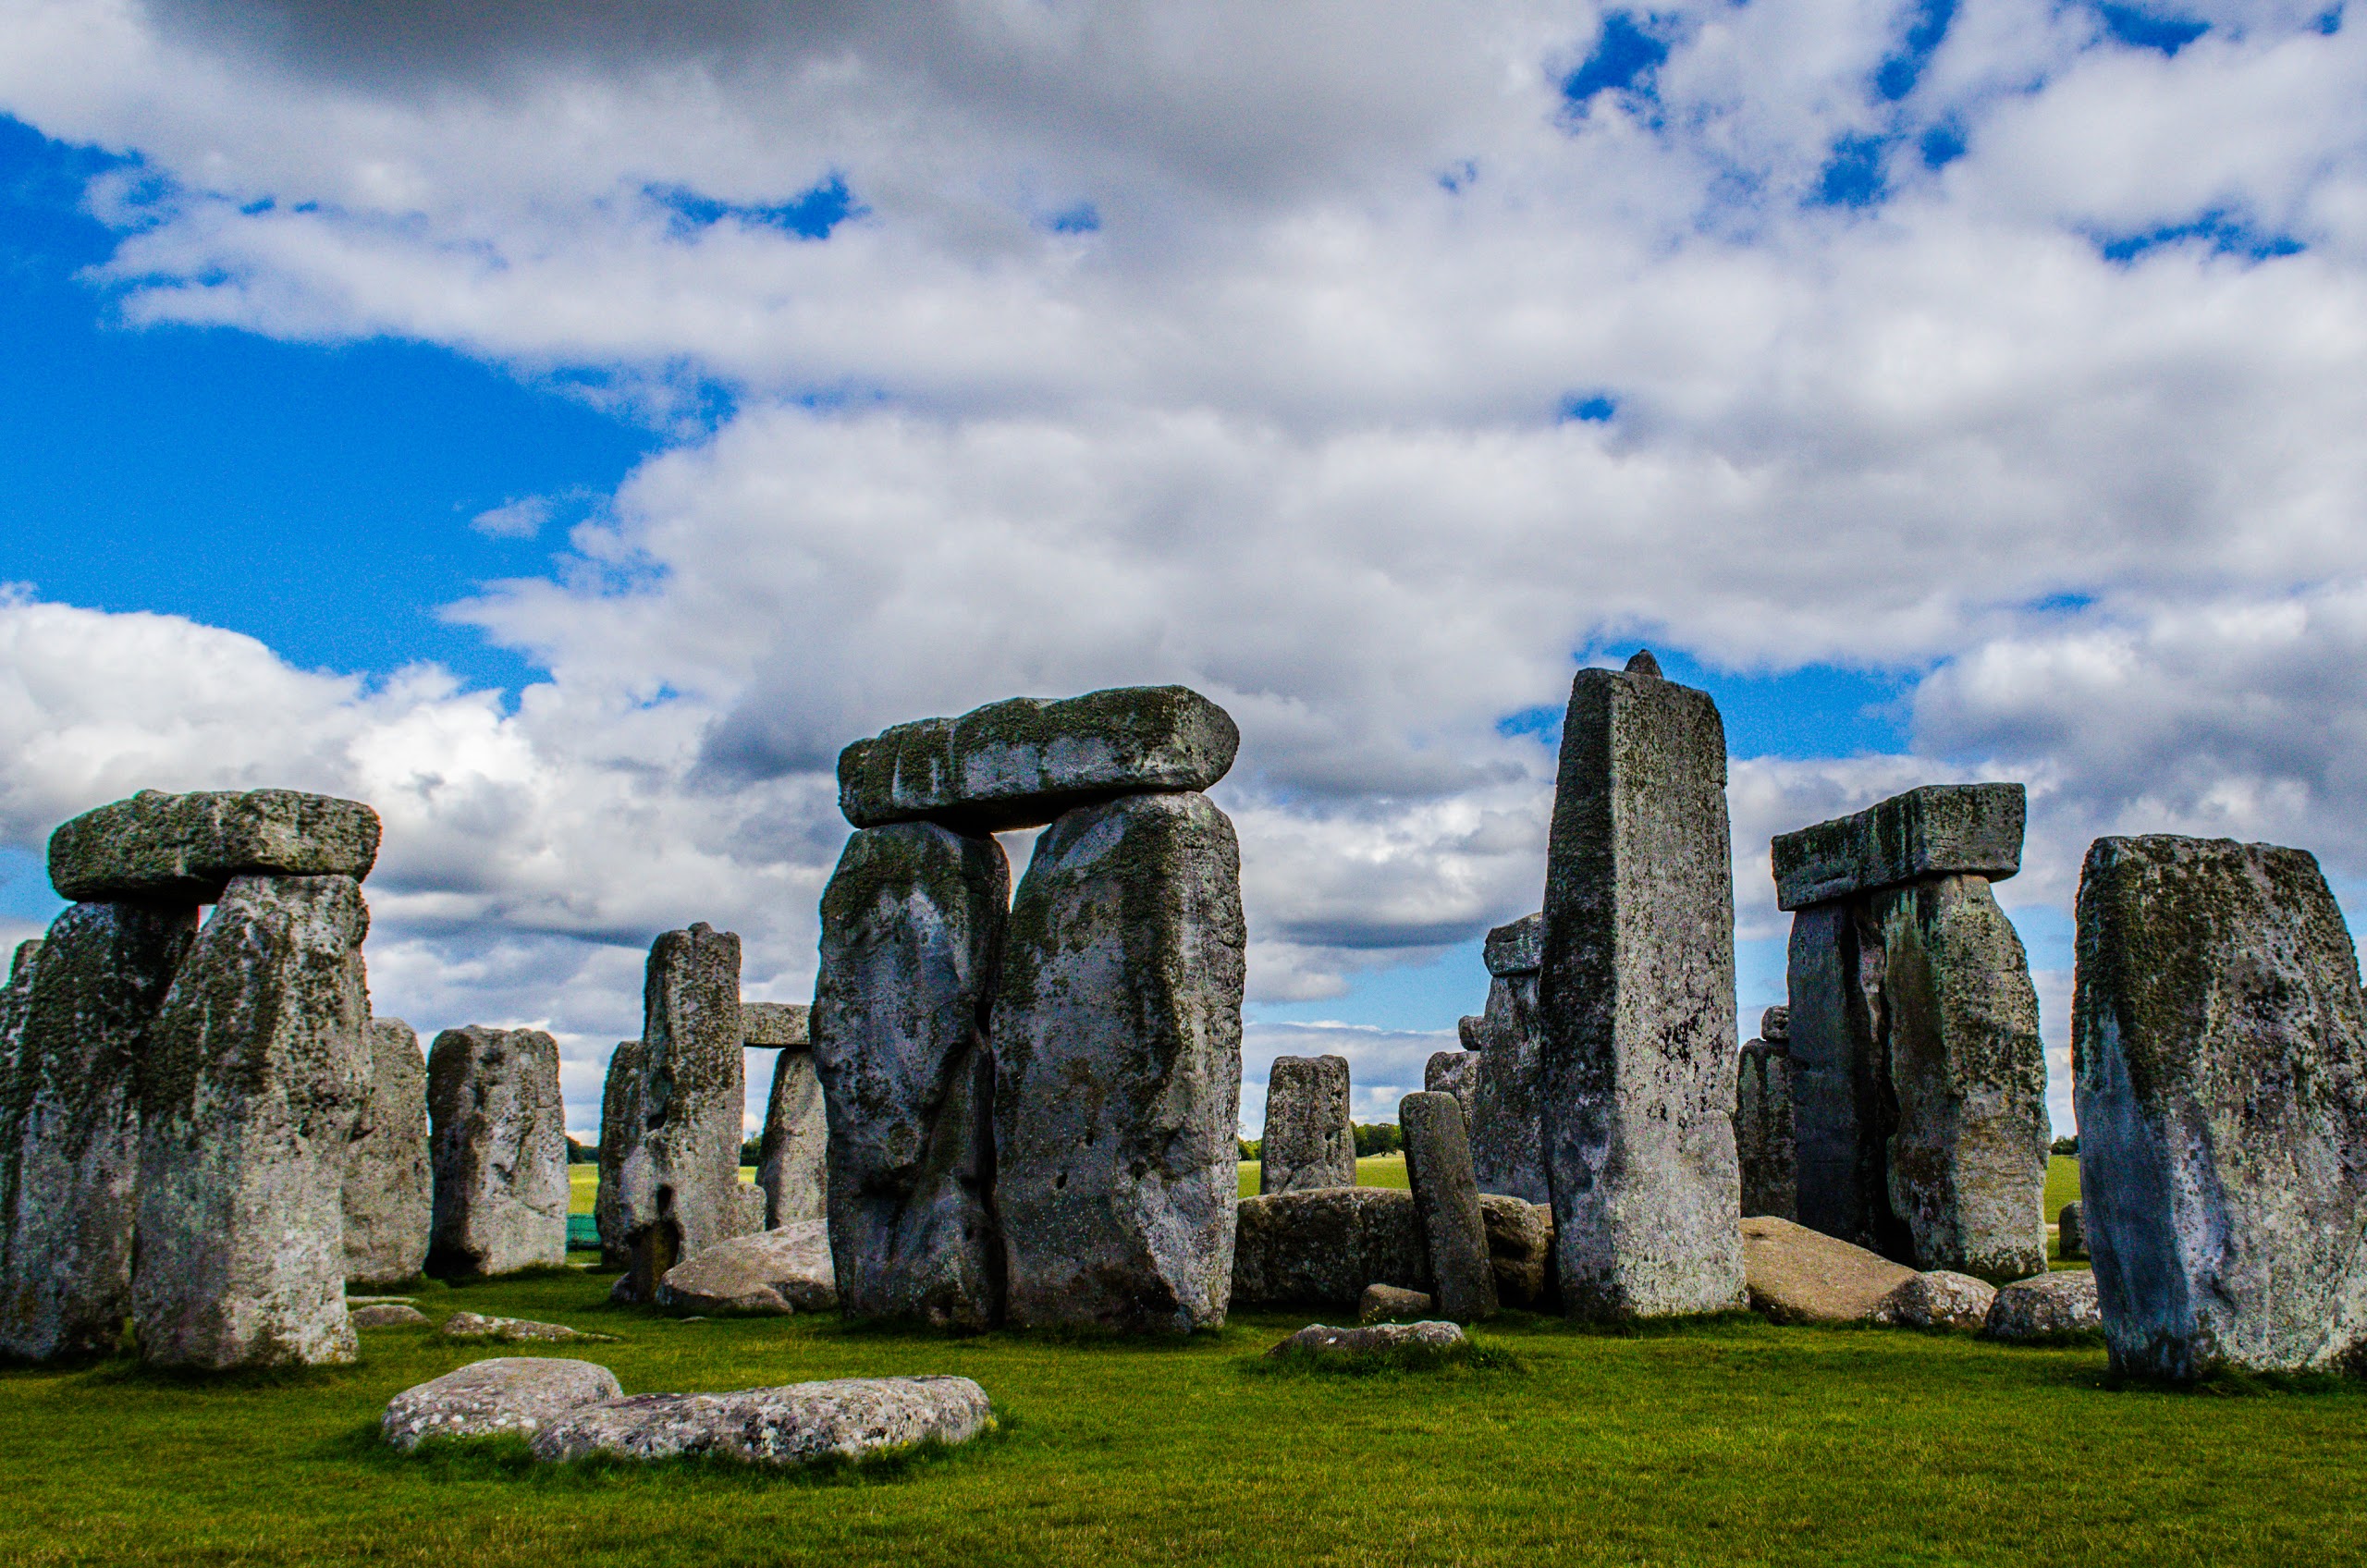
x: 389, y: 1193
x: 1310, y: 1140
x: 257, y: 1068
x: 1117, y: 1045
x: 1637, y: 998
x: 500, y: 1152
x: 103, y: 973
x: 911, y: 931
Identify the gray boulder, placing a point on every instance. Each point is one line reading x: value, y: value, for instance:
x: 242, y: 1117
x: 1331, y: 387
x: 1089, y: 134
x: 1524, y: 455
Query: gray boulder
x: 1800, y: 1276
x: 389, y: 1193
x: 511, y: 1330
x: 1022, y: 763
x: 1310, y: 1140
x: 771, y: 1273
x: 2046, y: 1307
x: 1381, y: 1302
x: 793, y: 1161
x: 1321, y: 1248
x: 2070, y: 1240
x: 1117, y: 1049
x: 500, y: 1152
x: 620, y: 1129
x: 911, y: 931
x: 1321, y: 1339
x: 2219, y: 1047
x: 88, y: 1016
x: 1454, y: 1074
x: 486, y: 1398
x: 1446, y: 1201
x: 388, y: 1315
x: 183, y: 849
x: 1636, y: 1000
x: 842, y: 1418
x: 1938, y: 830
x: 1520, y: 1250
x: 1939, y: 1299
x: 1764, y: 1139
x: 773, y: 1025
x: 258, y: 1066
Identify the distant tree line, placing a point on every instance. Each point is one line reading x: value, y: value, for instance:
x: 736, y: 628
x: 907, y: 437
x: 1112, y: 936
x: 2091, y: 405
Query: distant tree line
x: 2067, y: 1146
x: 1372, y: 1138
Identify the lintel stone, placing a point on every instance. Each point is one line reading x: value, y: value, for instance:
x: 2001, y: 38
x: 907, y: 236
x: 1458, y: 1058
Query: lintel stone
x: 187, y: 847
x: 1938, y: 830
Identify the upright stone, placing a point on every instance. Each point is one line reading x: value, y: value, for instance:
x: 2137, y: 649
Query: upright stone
x: 1453, y: 1073
x: 679, y: 1184
x: 258, y: 1065
x: 2219, y: 1047
x: 15, y: 1091
x: 2070, y: 1240
x: 1842, y: 1113
x: 500, y: 1152
x: 1446, y: 1196
x: 1507, y: 1121
x: 1117, y: 1043
x: 1310, y: 1142
x: 621, y: 1131
x: 793, y: 1163
x: 1764, y: 1142
x: 912, y: 932
x: 389, y: 1193
x: 88, y: 1017
x: 1637, y: 995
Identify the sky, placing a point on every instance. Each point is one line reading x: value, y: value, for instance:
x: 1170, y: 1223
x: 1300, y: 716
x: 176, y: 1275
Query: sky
x: 565, y: 426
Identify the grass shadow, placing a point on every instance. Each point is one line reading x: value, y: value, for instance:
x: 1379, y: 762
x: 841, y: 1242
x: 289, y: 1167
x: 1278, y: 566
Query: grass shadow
x: 1473, y: 1356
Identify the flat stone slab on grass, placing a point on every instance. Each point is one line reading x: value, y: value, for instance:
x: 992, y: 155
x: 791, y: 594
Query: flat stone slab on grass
x: 473, y: 1326
x: 1381, y: 1302
x: 187, y: 847
x: 486, y: 1399
x: 1939, y: 1300
x: 1938, y: 830
x: 2044, y: 1308
x: 840, y: 1418
x: 1372, y: 1339
x: 772, y: 1272
x: 1797, y: 1275
x: 386, y: 1314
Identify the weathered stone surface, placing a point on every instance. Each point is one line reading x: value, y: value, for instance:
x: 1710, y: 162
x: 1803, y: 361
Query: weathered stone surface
x: 1456, y: 1073
x: 2042, y: 1308
x: 1764, y: 1145
x: 1843, y: 1115
x: 1446, y: 1202
x: 1022, y: 763
x: 775, y: 1026
x: 1508, y: 1093
x: 2219, y: 1046
x: 499, y: 1146
x: 1800, y: 1276
x: 752, y: 1209
x: 1117, y: 1050
x: 1938, y: 830
x: 1939, y: 1299
x: 1310, y: 1139
x: 486, y: 1398
x: 1518, y: 948
x: 773, y: 1272
x: 67, y: 1233
x: 1321, y: 1248
x: 511, y: 1330
x: 1637, y: 997
x: 1520, y: 1249
x: 679, y: 1184
x: 388, y: 1315
x: 841, y: 1419
x: 1322, y: 1340
x: 1381, y: 1302
x: 1775, y: 1025
x: 620, y: 1129
x: 16, y: 1089
x: 390, y: 1193
x: 185, y: 848
x: 2070, y: 1240
x: 912, y: 932
x: 258, y: 1066
x: 793, y: 1161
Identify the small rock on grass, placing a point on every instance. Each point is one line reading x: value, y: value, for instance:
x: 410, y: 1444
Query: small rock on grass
x: 1939, y: 1300
x: 386, y: 1314
x: 2045, y: 1306
x: 1383, y: 1302
x: 487, y: 1398
x: 473, y: 1326
x: 1378, y: 1337
x: 773, y: 1272
x: 842, y: 1418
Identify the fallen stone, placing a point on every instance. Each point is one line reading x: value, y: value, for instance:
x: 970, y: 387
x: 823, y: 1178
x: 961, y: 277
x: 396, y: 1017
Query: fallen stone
x: 773, y: 1025
x: 1507, y: 1124
x: 2070, y: 1240
x: 1637, y: 1004
x: 1022, y: 763
x: 389, y: 1193
x: 1117, y: 1053
x: 841, y: 1419
x: 67, y: 1233
x: 1517, y: 948
x: 1939, y: 1299
x: 2219, y: 1063
x: 2046, y: 1307
x: 620, y: 1129
x: 487, y: 1399
x: 1798, y: 1276
x: 1520, y: 1250
x: 513, y: 1330
x: 499, y: 1152
x: 1310, y: 1140
x: 912, y: 930
x: 1764, y: 1139
x: 184, y: 848
x: 388, y: 1315
x: 773, y: 1273
x: 793, y: 1160
x: 1446, y: 1201
x: 1318, y: 1338
x: 1454, y: 1074
x: 1938, y: 830
x: 258, y: 1067
x: 1380, y: 1302
x: 1321, y: 1248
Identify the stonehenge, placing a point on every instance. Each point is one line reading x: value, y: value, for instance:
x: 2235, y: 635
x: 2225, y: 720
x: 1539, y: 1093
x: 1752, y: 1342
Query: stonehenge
x: 1506, y: 1107
x: 1919, y: 1081
x: 499, y: 1152
x: 389, y: 1194
x: 1310, y: 1139
x: 1766, y: 1142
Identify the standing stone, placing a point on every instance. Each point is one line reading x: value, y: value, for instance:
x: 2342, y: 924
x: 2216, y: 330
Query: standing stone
x: 16, y: 1090
x: 389, y: 1194
x: 1842, y: 1113
x: 1453, y: 1073
x: 1637, y: 996
x: 258, y: 1065
x: 1764, y: 1140
x: 679, y: 1184
x: 1446, y: 1196
x: 2070, y: 1240
x: 1117, y: 1043
x: 89, y: 1014
x: 500, y: 1152
x: 912, y: 932
x: 1507, y: 1106
x: 793, y: 1166
x: 619, y: 1136
x: 1310, y: 1141
x: 2219, y: 1047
